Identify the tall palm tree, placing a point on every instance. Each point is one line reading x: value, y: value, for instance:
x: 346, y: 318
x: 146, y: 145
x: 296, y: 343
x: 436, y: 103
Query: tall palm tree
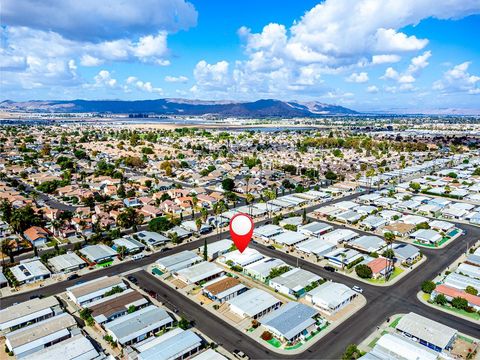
x: 389, y: 239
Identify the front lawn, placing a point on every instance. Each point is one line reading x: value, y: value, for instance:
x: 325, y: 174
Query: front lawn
x: 274, y: 342
x: 381, y: 280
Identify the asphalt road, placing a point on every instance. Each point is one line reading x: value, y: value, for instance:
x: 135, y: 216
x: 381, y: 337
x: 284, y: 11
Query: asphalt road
x: 382, y: 302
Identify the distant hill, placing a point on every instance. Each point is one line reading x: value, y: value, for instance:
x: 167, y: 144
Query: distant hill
x: 259, y: 108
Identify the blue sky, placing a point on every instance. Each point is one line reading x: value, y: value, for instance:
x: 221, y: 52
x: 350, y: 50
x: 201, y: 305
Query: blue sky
x: 376, y: 55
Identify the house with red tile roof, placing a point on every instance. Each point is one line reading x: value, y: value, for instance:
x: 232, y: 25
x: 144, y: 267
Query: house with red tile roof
x: 380, y: 266
x: 36, y: 235
x: 451, y: 293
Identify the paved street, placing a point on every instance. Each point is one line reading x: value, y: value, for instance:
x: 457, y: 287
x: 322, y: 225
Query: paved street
x: 382, y: 302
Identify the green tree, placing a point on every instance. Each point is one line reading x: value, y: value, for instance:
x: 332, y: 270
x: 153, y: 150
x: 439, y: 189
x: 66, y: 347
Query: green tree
x: 160, y: 224
x: 205, y: 250
x: 364, y: 271
x: 129, y: 218
x: 122, y: 250
x: 351, y: 352
x: 415, y: 186
x: 440, y: 299
x: 183, y: 324
x: 459, y: 303
x: 428, y: 286
x: 471, y: 290
x: 228, y: 184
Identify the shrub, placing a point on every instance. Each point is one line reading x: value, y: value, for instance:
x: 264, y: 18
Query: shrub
x: 351, y: 352
x: 440, y: 299
x: 459, y: 303
x: 428, y: 286
x: 364, y: 271
x: 267, y: 335
x: 471, y: 290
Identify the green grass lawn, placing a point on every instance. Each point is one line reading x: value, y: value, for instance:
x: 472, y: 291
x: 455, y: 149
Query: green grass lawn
x: 381, y: 280
x: 373, y: 342
x: 50, y: 243
x: 474, y: 315
x: 275, y: 342
x: 278, y: 246
x: 394, y: 323
x: 296, y: 346
x: 440, y: 243
x: 105, y: 264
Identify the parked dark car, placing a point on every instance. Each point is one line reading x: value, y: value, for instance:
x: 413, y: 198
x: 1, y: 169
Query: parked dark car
x: 73, y: 276
x: 271, y: 247
x: 132, y: 279
x: 329, y: 268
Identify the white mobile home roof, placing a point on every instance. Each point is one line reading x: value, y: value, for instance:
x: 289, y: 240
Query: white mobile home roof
x: 217, y: 247
x: 461, y: 282
x: 209, y: 354
x: 171, y: 345
x: 296, y: 279
x: 281, y: 203
x: 291, y: 319
x: 289, y: 237
x: 129, y: 242
x: 368, y: 243
x: 131, y: 326
x: 26, y: 311
x: 264, y: 266
x: 152, y: 238
x: 426, y: 329
x: 77, y: 347
x: 315, y: 228
x: 339, y: 235
x: 292, y: 199
x: 179, y: 261
x: 199, y: 272
x: 268, y: 231
x: 469, y: 270
x: 30, y: 337
x: 95, y: 288
x: 65, y: 261
x: 315, y: 246
x: 28, y: 270
x: 253, y: 301
x: 331, y: 294
x: 394, y: 346
x: 98, y: 252
x: 249, y: 256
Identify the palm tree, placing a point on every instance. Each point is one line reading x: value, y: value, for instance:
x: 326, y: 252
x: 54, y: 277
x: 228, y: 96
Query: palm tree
x: 389, y: 239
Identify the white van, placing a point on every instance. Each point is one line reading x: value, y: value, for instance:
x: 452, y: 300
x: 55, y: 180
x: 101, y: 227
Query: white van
x: 138, y: 256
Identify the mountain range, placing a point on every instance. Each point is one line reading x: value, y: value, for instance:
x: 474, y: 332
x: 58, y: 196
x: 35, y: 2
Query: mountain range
x: 225, y: 108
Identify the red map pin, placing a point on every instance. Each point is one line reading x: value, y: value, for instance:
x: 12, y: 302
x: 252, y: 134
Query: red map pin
x: 241, y: 230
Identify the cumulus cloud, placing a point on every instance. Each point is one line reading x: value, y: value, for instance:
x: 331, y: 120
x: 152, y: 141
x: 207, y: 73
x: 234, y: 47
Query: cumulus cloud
x: 458, y: 79
x: 337, y: 37
x: 104, y: 78
x: 385, y: 59
x: 372, y: 89
x: 212, y: 76
x: 36, y: 35
x: 416, y: 65
x: 358, y: 78
x: 176, y: 79
x: 88, y: 60
x: 95, y: 21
